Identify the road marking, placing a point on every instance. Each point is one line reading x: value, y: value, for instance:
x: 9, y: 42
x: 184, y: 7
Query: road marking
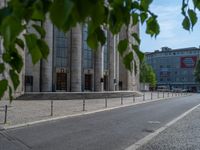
x: 152, y: 135
x: 83, y: 113
x: 154, y: 122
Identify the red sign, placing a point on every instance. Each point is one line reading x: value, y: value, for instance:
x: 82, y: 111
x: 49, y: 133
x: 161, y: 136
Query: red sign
x: 188, y: 62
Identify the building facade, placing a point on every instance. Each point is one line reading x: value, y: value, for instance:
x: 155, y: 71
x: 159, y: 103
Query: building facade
x: 174, y: 68
x: 72, y: 66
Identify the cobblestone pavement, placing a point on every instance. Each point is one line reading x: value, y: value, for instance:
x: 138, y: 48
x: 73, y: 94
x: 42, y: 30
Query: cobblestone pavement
x: 183, y: 135
x: 27, y: 111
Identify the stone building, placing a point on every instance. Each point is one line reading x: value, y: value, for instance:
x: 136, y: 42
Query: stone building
x: 72, y: 66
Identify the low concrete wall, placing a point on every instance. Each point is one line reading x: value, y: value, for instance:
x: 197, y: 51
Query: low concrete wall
x: 76, y: 95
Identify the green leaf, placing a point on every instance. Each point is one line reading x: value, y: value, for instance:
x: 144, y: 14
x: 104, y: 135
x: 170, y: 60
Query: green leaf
x: 19, y: 42
x: 10, y: 29
x: 38, y: 13
x: 34, y: 50
x: 196, y: 4
x: 6, y: 57
x: 40, y: 30
x: 186, y: 23
x: 61, y: 8
x: 138, y: 52
x: 43, y: 48
x: 92, y: 41
x: 101, y: 36
x: 143, y: 17
x: 15, y: 78
x: 2, y: 68
x: 127, y: 60
x: 145, y: 4
x: 122, y: 46
x: 193, y: 17
x: 4, y: 12
x: 17, y: 61
x: 135, y: 18
x: 152, y: 26
x: 4, y: 86
x: 136, y: 37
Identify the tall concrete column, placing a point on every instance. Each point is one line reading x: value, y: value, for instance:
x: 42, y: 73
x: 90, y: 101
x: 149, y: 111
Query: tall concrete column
x: 112, y: 68
x: 47, y: 65
x: 117, y: 65
x: 76, y: 57
x: 98, y: 69
x: 123, y: 72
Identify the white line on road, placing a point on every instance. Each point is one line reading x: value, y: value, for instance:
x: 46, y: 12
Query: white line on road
x: 152, y: 135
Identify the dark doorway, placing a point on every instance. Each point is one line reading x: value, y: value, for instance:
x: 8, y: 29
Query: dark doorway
x: 88, y: 82
x: 105, y: 85
x: 61, y: 83
x: 28, y: 83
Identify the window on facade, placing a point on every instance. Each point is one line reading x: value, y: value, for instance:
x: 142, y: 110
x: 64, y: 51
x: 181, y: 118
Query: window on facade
x: 106, y: 50
x: 61, y: 48
x: 87, y: 52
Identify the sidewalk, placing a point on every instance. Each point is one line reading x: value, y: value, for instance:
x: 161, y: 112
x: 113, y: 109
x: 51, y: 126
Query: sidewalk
x: 20, y: 112
x: 183, y: 135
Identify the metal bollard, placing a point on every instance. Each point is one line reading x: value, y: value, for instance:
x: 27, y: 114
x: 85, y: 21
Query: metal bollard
x: 172, y: 94
x: 121, y: 100
x: 157, y: 94
x: 106, y: 102
x: 6, y: 112
x: 133, y: 98
x: 51, y: 107
x: 144, y: 96
x: 151, y: 95
x: 168, y: 94
x: 83, y: 104
x: 163, y: 94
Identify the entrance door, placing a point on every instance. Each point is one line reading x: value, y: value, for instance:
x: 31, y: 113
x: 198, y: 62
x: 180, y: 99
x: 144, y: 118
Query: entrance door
x: 105, y: 83
x: 61, y: 83
x: 88, y: 82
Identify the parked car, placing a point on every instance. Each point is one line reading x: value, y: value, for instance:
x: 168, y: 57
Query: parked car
x: 177, y: 90
x: 184, y: 90
x: 163, y: 89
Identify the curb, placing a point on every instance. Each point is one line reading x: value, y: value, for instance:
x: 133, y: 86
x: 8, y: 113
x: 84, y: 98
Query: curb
x: 83, y: 113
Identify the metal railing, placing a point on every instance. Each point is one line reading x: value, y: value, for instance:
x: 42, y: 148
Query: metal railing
x: 92, y: 95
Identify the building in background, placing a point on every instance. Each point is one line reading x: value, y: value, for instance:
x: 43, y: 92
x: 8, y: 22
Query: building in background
x: 174, y: 68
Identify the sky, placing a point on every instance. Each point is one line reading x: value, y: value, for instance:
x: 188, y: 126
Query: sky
x: 172, y: 33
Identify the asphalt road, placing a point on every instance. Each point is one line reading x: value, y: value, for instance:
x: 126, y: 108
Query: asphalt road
x: 110, y: 130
